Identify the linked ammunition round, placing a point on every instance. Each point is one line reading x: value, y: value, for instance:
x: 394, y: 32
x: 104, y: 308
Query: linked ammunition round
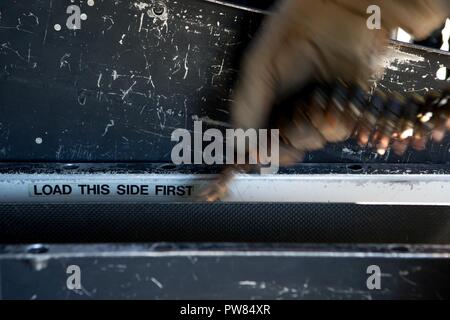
x: 339, y: 110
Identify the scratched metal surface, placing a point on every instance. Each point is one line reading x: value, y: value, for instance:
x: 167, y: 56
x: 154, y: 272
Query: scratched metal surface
x: 116, y: 89
x: 212, y: 271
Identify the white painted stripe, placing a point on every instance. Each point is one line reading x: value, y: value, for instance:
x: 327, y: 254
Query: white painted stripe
x: 339, y: 188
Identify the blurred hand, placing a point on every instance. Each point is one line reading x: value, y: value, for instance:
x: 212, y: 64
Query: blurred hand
x: 308, y: 40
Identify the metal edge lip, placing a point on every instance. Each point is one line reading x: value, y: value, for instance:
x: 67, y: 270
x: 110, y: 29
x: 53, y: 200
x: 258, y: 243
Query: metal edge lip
x: 352, y: 168
x: 404, y: 45
x: 434, y: 252
x: 331, y: 177
x: 240, y: 7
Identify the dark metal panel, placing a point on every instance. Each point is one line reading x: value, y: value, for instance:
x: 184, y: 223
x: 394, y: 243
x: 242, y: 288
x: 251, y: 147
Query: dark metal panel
x: 224, y: 272
x: 116, y: 89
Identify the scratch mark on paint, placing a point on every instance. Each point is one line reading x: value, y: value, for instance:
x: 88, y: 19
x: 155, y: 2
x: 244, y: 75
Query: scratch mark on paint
x: 109, y: 125
x: 158, y: 284
x: 186, y: 62
x: 99, y: 79
x: 127, y: 92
